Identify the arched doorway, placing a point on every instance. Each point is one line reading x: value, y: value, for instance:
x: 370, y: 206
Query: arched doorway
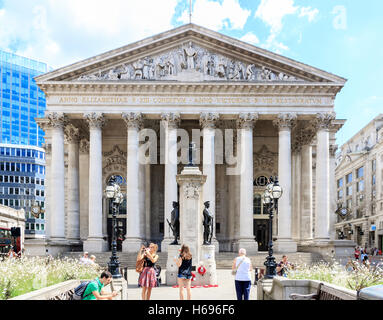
x: 121, y: 215
x: 260, y: 223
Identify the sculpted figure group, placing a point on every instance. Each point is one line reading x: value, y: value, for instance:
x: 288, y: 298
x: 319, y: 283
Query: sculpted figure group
x: 207, y: 223
x: 194, y: 59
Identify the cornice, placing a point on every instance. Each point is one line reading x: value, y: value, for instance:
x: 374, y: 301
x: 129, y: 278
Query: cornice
x: 167, y: 87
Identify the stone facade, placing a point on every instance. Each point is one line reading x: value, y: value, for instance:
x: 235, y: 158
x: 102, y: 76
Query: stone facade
x: 132, y: 112
x: 359, y: 176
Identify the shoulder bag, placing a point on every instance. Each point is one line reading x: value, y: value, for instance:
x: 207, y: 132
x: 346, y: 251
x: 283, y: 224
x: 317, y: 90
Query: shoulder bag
x: 234, y: 272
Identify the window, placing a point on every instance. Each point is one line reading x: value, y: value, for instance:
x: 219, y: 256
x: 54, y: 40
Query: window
x: 349, y: 178
x: 340, y: 194
x: 360, y: 186
x: 42, y: 227
x: 257, y: 204
x: 27, y: 226
x: 374, y: 165
x: 340, y: 182
x: 359, y: 173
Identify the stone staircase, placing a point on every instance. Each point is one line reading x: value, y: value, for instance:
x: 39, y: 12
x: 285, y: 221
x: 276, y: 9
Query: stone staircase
x: 224, y: 260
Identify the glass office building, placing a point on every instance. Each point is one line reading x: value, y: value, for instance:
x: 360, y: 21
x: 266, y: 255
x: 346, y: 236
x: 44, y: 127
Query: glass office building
x: 22, y: 158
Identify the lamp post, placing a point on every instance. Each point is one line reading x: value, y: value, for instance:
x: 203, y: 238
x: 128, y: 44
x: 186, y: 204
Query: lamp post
x: 271, y: 195
x: 113, y: 192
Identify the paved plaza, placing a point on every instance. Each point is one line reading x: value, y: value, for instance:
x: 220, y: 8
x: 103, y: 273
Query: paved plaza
x: 224, y: 291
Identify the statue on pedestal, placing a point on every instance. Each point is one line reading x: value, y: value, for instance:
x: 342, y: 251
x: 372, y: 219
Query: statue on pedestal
x: 175, y: 222
x: 207, y: 224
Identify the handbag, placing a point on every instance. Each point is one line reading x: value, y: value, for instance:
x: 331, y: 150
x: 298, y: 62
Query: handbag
x: 140, y: 265
x: 234, y: 272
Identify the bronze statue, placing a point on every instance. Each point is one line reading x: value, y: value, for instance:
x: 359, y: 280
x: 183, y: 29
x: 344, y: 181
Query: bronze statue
x: 175, y: 222
x: 207, y: 224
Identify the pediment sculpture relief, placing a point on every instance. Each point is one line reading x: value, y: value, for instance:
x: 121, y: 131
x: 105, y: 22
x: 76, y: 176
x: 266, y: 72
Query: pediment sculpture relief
x: 189, y: 62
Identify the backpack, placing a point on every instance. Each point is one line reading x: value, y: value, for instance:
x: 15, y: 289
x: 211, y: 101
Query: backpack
x: 79, y: 291
x: 140, y: 265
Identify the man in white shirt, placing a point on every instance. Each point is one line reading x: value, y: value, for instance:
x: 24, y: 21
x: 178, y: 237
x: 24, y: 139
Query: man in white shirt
x: 85, y: 258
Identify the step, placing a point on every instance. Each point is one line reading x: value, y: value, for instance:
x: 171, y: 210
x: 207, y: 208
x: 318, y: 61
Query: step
x: 224, y: 260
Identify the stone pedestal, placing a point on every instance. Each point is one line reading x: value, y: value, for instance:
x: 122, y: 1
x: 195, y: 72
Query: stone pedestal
x: 191, y: 181
x: 208, y: 261
x: 191, y: 210
x: 171, y: 266
x: 121, y: 286
x: 35, y: 247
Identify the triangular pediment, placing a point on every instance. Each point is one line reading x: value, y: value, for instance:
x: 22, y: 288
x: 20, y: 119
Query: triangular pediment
x: 190, y: 53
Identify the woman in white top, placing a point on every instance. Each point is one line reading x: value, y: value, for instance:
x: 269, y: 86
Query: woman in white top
x: 243, y: 275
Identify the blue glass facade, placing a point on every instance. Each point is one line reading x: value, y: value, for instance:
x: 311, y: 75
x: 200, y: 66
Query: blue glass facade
x: 21, y: 100
x: 22, y: 160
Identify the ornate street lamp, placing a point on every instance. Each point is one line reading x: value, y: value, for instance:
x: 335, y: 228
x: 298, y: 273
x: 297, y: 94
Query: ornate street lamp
x: 113, y: 192
x: 271, y: 195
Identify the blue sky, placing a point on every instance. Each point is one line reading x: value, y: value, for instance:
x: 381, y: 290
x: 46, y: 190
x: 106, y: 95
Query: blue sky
x: 341, y: 37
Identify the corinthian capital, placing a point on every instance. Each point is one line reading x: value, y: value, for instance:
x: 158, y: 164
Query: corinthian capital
x: 247, y: 120
x: 285, y: 121
x: 72, y: 134
x: 57, y: 119
x: 84, y: 145
x: 132, y: 119
x: 172, y: 118
x: 323, y: 120
x: 208, y: 119
x: 96, y: 120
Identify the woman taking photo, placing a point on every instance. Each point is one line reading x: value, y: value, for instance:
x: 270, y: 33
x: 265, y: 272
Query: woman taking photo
x: 184, y: 264
x: 147, y: 279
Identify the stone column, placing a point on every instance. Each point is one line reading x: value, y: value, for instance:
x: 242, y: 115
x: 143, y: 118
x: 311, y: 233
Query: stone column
x: 207, y: 122
x: 322, y: 188
x: 84, y: 188
x: 296, y: 190
x: 95, y: 241
x: 133, y: 240
x: 47, y: 186
x: 306, y: 184
x: 306, y: 233
x: 285, y: 122
x: 57, y: 122
x: 73, y: 207
x: 170, y: 121
x: 333, y: 192
x: 246, y: 240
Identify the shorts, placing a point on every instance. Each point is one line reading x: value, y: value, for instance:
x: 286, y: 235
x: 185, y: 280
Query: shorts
x: 181, y: 276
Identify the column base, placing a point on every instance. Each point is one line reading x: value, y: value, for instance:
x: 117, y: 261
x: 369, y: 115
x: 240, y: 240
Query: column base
x: 285, y: 246
x: 132, y: 245
x: 340, y: 250
x: 35, y: 247
x: 250, y: 245
x: 95, y: 245
x: 57, y: 246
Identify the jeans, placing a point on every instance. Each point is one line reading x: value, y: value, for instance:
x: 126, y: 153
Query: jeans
x: 243, y: 289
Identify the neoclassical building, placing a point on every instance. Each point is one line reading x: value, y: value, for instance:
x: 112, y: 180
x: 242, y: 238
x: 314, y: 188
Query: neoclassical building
x: 359, y: 177
x: 252, y: 114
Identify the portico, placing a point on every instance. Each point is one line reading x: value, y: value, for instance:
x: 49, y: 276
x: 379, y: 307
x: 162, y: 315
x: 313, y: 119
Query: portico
x: 132, y: 111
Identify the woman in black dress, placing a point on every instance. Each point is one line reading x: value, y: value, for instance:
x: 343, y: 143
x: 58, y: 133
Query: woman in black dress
x: 184, y: 264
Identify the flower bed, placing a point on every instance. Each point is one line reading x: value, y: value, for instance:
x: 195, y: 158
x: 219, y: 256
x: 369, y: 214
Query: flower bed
x: 354, y: 276
x: 23, y: 275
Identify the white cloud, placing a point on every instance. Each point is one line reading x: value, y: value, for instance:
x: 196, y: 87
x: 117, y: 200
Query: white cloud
x: 60, y: 32
x: 250, y: 38
x: 272, y: 13
x: 216, y: 16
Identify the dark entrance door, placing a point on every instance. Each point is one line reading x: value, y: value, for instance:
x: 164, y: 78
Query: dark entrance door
x: 121, y: 231
x: 261, y: 233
